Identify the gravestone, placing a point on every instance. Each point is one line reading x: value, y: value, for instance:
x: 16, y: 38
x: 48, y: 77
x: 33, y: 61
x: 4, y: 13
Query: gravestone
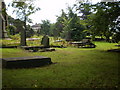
x: 45, y: 41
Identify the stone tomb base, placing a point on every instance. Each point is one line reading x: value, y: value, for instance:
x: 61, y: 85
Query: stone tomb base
x: 25, y: 62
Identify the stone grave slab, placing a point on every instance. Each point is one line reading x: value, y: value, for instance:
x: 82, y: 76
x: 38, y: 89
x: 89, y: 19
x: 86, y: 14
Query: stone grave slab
x: 25, y: 62
x: 47, y: 49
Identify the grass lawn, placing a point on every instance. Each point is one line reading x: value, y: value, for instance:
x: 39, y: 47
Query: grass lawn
x: 74, y: 68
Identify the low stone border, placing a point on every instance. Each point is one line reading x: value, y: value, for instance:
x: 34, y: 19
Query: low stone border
x: 114, y: 50
x: 117, y: 45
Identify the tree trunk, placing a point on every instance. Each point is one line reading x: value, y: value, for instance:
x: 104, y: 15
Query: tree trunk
x: 23, y: 37
x: 107, y: 38
x: 23, y: 34
x: 93, y: 37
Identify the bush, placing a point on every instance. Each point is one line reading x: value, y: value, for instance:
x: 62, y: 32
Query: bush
x: 11, y: 30
x: 10, y: 43
x: 15, y: 37
x: 35, y: 36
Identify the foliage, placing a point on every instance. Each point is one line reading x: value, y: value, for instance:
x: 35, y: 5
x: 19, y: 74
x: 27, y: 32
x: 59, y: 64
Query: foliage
x: 14, y: 41
x: 29, y: 32
x: 76, y: 28
x: 99, y: 18
x: 105, y: 15
x: 17, y: 23
x: 71, y: 29
x: 116, y: 35
x: 59, y: 26
x: 11, y: 29
x: 45, y: 27
x: 35, y: 36
x: 10, y: 43
x: 15, y: 37
x: 52, y: 29
x: 83, y: 8
x: 16, y: 26
x: 23, y: 10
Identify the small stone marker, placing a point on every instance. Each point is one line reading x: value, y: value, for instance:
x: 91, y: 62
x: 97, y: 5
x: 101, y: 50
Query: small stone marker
x: 45, y: 41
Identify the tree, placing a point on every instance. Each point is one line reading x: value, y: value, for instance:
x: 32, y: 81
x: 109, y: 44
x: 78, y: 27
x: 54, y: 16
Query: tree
x: 101, y: 21
x: 84, y: 8
x: 72, y: 27
x: 52, y: 28
x: 23, y: 10
x: 11, y: 29
x: 17, y: 23
x: 30, y: 32
x: 116, y: 35
x: 45, y: 27
x: 58, y: 27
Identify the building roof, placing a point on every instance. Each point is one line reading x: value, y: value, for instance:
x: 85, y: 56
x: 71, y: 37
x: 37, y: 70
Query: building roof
x: 36, y: 26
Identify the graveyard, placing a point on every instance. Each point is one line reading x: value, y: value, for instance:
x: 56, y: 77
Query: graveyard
x: 49, y: 63
x: 79, y: 50
x: 71, y: 67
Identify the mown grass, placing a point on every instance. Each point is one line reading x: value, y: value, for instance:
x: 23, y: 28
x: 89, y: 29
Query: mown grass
x: 73, y: 68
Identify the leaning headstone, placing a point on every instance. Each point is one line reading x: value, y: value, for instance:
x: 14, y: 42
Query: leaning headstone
x: 45, y: 41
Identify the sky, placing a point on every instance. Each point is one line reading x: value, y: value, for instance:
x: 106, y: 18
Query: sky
x: 49, y: 9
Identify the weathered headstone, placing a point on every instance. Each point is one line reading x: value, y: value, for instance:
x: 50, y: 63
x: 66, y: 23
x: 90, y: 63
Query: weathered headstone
x: 45, y: 41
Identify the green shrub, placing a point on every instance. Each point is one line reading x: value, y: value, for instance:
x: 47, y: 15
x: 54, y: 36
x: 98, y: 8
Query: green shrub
x: 10, y: 43
x: 15, y: 37
x: 119, y: 42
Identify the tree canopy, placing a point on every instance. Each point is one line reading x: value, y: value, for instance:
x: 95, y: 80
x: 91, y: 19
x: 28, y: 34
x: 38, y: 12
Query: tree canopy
x: 23, y: 10
x: 101, y: 21
x: 83, y: 18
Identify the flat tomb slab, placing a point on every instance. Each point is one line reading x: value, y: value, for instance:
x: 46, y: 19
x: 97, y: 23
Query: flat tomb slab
x: 33, y: 47
x: 25, y: 62
x: 8, y: 46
